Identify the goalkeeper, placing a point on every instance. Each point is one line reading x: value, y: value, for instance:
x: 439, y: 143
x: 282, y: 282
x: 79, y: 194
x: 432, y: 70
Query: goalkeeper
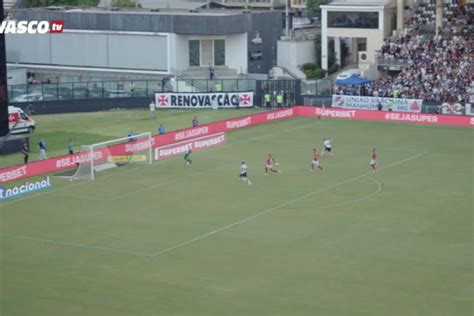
x: 187, y: 158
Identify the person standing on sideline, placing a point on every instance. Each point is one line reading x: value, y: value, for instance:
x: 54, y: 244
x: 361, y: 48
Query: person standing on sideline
x: 70, y: 147
x: 390, y: 105
x: 25, y: 150
x: 42, y: 149
x: 379, y: 106
x: 194, y: 122
x: 266, y: 99
x: 161, y: 129
x: 131, y: 136
x: 218, y: 87
x: 279, y: 99
x: 152, y: 109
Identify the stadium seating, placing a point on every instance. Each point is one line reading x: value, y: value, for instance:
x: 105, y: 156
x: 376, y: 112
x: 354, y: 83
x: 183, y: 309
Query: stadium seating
x: 436, y: 67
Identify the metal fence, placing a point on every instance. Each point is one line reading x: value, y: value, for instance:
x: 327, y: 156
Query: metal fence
x: 121, y: 89
x: 320, y: 87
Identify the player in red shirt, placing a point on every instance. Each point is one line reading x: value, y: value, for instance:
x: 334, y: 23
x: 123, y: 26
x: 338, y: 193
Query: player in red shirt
x: 373, y: 160
x: 316, y: 160
x: 269, y: 165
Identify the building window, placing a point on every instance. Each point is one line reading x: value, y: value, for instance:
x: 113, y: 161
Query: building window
x: 219, y: 52
x: 194, y: 53
x: 361, y: 20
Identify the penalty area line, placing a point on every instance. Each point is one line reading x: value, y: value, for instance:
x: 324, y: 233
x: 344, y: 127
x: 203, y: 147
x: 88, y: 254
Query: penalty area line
x: 269, y: 210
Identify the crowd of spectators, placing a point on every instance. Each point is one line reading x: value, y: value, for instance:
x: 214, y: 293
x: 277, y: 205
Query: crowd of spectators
x: 437, y: 67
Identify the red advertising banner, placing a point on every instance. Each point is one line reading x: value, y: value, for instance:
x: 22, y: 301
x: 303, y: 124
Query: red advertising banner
x: 70, y: 161
x: 419, y: 118
x: 193, y: 144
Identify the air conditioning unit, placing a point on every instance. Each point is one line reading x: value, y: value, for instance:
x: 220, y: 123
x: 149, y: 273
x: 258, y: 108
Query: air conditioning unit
x: 363, y: 58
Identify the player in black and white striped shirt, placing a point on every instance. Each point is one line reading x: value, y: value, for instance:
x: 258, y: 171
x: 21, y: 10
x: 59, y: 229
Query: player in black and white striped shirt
x: 243, y: 173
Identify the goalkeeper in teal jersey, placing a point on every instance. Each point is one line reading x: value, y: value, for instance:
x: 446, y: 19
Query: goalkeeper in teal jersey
x: 187, y: 158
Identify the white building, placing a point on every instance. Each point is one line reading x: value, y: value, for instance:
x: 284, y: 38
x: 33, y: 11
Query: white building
x: 364, y: 24
x: 147, y: 43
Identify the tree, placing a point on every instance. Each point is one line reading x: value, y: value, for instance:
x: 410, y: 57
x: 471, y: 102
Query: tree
x: 312, y: 7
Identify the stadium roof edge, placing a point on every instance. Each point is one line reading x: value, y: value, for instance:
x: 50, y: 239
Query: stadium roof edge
x: 210, y: 12
x: 362, y: 3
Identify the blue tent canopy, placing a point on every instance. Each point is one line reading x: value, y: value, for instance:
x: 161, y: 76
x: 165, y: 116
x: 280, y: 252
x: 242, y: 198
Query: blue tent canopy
x: 353, y: 81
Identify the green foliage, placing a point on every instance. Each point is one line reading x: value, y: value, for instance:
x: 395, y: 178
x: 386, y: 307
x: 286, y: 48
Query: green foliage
x: 333, y: 68
x: 124, y: 3
x: 313, y: 71
x: 312, y: 7
x: 47, y: 3
x: 309, y: 66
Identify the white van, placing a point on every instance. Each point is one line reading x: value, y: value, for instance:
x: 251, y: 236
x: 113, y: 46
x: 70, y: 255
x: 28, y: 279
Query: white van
x: 19, y: 121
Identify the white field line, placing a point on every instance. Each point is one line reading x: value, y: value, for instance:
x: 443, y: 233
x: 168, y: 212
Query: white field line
x: 269, y: 210
x: 73, y: 244
x: 363, y: 198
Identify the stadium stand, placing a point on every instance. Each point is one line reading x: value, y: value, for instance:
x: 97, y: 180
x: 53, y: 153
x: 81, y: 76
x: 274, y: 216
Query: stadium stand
x: 436, y: 67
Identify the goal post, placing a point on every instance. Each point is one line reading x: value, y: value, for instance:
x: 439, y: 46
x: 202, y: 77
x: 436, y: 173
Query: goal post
x: 136, y: 149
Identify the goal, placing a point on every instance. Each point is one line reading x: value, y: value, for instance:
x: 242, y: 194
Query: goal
x: 136, y: 149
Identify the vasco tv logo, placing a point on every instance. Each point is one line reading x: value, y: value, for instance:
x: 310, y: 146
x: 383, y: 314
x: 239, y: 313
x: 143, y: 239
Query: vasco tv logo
x: 32, y: 27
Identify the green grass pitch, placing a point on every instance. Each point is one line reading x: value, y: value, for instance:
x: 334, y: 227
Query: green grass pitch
x: 170, y: 239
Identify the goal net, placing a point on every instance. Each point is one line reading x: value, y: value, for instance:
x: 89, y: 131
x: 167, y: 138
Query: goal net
x: 136, y: 149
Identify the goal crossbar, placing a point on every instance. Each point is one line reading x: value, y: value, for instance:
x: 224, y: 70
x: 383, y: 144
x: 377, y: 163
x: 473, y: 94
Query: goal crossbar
x: 116, y: 143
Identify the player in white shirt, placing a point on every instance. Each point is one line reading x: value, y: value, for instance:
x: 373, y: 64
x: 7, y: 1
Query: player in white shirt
x: 327, y: 147
x: 243, y: 173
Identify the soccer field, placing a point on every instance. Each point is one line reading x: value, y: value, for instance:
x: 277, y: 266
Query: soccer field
x: 170, y: 239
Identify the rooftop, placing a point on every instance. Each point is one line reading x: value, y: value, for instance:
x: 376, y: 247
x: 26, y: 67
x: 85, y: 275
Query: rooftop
x: 136, y: 11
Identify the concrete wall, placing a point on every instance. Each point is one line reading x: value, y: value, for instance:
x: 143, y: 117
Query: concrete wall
x: 180, y: 57
x: 269, y: 27
x: 295, y: 53
x: 16, y: 76
x: 389, y: 22
x: 90, y: 49
x: 236, y: 56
